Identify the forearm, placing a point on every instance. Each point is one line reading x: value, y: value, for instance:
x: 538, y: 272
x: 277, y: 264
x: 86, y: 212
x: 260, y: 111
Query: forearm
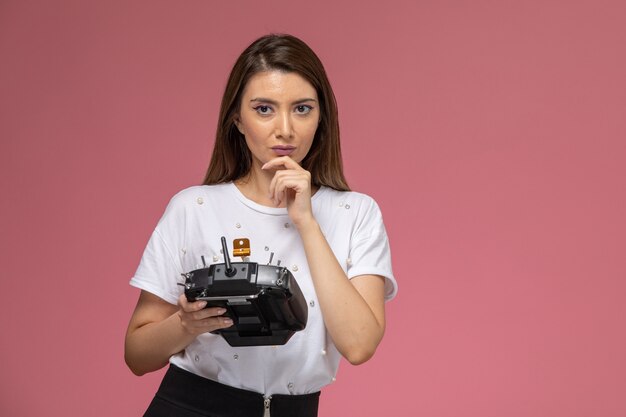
x: 356, y: 329
x: 149, y: 347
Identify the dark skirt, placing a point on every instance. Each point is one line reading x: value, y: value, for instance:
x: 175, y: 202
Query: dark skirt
x: 184, y: 394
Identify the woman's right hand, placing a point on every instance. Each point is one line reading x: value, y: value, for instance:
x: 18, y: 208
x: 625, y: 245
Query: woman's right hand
x: 158, y: 330
x: 196, y: 319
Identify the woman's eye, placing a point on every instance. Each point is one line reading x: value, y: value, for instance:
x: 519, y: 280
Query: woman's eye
x: 263, y: 109
x: 303, y: 109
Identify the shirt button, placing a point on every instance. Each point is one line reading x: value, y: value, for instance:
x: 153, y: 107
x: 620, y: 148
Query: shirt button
x: 340, y: 204
x: 200, y: 201
x: 267, y: 248
x: 333, y: 379
x: 347, y: 206
x: 349, y: 261
x: 290, y: 385
x: 197, y: 358
x: 323, y: 351
x: 312, y: 303
x: 238, y: 225
x: 235, y: 356
x: 294, y: 268
x: 287, y: 225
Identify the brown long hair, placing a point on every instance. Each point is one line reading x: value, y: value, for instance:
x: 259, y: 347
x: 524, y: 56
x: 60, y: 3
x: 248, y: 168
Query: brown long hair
x: 231, y: 158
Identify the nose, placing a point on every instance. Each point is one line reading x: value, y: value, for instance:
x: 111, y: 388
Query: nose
x: 284, y: 126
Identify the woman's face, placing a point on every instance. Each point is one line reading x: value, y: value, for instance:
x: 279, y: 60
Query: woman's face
x: 278, y: 116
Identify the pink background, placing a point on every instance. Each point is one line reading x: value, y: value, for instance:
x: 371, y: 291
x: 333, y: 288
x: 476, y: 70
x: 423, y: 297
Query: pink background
x: 492, y: 133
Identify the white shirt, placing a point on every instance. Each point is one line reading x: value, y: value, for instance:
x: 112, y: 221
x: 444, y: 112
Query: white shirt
x: 192, y: 225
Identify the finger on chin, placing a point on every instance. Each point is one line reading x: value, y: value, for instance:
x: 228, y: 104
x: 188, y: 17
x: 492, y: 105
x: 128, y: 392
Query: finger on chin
x: 281, y: 162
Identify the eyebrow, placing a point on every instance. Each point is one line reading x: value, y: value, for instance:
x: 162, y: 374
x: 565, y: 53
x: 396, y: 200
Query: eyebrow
x: 270, y: 101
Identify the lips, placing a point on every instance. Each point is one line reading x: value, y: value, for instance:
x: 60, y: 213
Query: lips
x: 283, y: 150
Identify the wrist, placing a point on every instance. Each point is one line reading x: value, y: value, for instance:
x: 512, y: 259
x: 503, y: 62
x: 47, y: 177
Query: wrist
x: 307, y: 225
x: 186, y: 332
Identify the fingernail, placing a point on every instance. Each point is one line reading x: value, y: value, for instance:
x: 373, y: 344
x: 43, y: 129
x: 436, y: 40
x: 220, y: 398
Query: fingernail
x: 221, y: 311
x: 228, y: 321
x: 202, y: 304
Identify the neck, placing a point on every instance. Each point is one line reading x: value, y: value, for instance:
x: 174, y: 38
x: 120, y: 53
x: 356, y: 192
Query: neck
x: 255, y: 185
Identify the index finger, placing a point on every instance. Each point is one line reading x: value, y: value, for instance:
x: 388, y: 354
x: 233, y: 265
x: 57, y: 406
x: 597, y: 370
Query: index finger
x: 190, y: 307
x: 284, y: 161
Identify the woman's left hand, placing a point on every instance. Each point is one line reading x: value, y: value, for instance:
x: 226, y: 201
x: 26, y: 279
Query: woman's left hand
x: 291, y: 186
x: 353, y: 310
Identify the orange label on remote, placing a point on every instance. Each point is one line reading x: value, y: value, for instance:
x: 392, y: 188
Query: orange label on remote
x: 241, y: 247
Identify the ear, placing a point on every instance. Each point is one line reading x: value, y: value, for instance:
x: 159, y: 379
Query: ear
x: 238, y: 123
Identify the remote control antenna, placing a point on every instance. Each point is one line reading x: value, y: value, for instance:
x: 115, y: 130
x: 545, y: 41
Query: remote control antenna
x: 271, y: 257
x: 203, y: 261
x: 230, y: 271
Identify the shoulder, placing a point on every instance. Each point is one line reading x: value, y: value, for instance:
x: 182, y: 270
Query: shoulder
x: 352, y: 201
x: 198, y: 196
x: 193, y: 200
x: 354, y: 197
x: 197, y: 193
x: 349, y: 211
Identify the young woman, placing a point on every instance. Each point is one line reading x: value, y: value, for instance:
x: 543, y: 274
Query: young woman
x: 276, y: 178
